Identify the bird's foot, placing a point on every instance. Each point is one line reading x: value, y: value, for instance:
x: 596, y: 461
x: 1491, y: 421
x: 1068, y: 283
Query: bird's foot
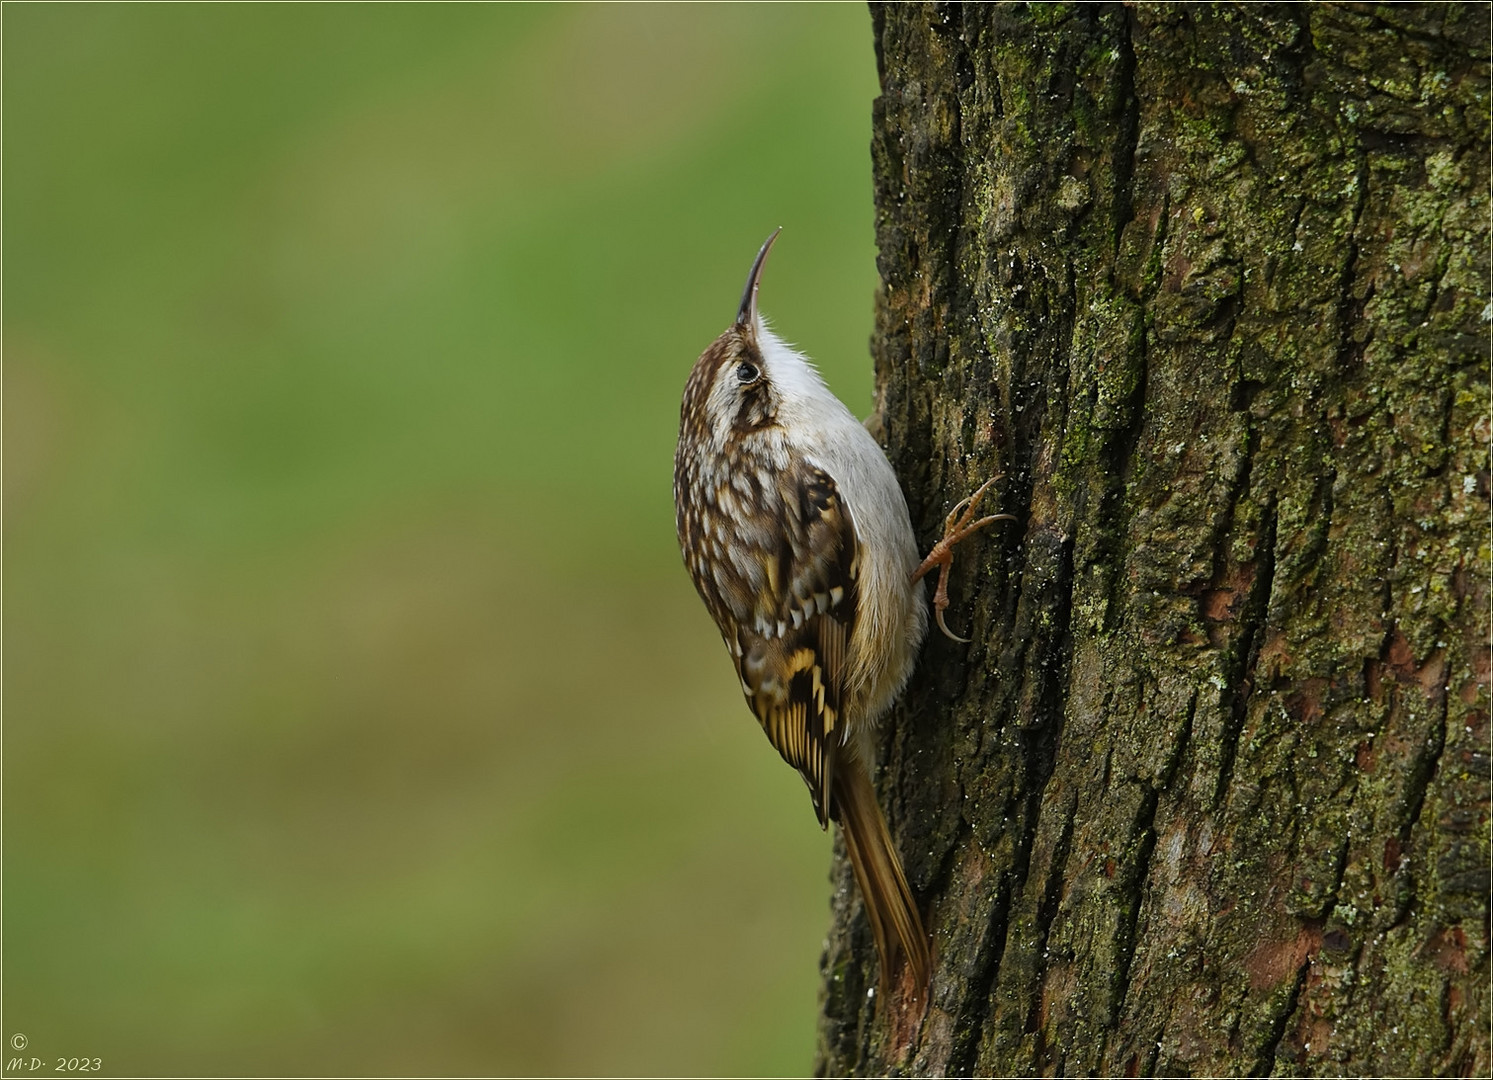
x: 959, y: 524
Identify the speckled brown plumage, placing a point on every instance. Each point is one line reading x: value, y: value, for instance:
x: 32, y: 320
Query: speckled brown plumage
x: 797, y: 538
x: 783, y: 596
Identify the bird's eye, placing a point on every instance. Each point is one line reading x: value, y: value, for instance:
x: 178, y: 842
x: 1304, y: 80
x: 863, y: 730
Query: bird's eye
x: 746, y: 373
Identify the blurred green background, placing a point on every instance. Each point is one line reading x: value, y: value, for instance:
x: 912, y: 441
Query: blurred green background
x: 359, y: 716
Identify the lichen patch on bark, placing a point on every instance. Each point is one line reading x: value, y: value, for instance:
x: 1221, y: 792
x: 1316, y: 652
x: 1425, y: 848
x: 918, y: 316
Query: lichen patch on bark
x: 1208, y: 792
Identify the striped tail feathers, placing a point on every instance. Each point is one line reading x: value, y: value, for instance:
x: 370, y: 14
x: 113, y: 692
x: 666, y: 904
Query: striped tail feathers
x: 893, y: 914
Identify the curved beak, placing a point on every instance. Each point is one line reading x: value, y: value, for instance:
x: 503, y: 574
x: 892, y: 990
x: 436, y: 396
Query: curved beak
x: 747, y: 314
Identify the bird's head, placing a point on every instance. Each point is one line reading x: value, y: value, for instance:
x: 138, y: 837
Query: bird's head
x: 748, y: 378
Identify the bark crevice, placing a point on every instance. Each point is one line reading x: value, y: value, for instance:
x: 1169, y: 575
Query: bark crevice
x: 1264, y: 1063
x: 1206, y: 283
x: 1241, y: 677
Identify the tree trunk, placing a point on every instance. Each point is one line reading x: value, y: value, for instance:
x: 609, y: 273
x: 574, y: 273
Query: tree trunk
x: 1208, y: 791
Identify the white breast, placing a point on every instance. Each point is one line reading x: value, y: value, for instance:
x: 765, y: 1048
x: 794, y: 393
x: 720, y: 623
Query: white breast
x: 891, y: 616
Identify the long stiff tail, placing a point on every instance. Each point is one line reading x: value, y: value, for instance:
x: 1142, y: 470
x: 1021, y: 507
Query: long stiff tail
x: 895, y: 922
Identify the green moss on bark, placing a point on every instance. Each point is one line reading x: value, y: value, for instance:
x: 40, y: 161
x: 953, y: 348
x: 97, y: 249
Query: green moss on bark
x: 1209, y: 790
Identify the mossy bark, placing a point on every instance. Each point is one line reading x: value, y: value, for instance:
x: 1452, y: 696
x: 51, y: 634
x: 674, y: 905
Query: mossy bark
x: 1208, y: 791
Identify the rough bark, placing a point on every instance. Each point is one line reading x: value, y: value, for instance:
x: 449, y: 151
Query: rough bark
x: 1208, y: 791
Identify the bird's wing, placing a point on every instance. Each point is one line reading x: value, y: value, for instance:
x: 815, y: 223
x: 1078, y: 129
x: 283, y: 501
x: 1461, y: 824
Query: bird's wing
x: 792, y: 658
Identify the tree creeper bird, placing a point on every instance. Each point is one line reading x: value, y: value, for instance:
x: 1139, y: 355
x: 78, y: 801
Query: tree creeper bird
x: 797, y: 536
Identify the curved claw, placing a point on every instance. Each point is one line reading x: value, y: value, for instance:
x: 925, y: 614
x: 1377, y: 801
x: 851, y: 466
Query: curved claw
x: 970, y: 502
x: 938, y: 618
x: 959, y: 524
